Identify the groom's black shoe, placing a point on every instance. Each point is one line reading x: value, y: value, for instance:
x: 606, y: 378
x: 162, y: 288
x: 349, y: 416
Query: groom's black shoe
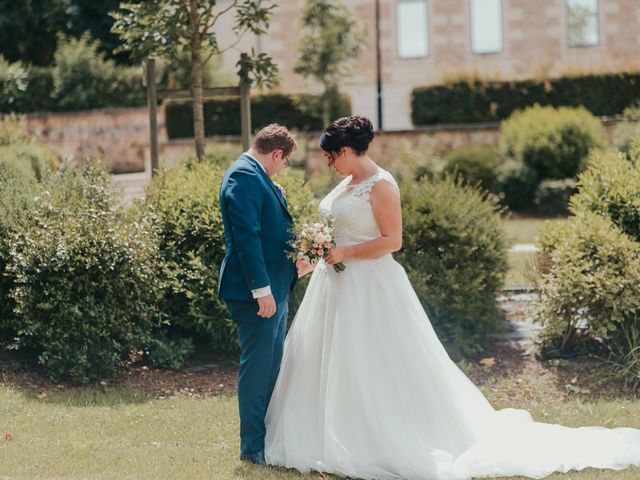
x: 257, y: 458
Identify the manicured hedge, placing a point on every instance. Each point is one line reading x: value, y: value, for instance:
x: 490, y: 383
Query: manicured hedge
x: 484, y: 101
x: 222, y: 115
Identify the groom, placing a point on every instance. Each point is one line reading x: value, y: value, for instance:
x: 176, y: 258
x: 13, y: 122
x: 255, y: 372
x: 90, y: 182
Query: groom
x: 256, y: 275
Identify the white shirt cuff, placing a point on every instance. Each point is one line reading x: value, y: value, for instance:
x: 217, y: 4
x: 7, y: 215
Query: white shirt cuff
x: 261, y: 292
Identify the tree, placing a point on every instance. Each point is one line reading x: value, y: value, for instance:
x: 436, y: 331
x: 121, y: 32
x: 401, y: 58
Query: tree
x: 28, y: 29
x: 50, y: 18
x: 332, y: 42
x: 165, y: 27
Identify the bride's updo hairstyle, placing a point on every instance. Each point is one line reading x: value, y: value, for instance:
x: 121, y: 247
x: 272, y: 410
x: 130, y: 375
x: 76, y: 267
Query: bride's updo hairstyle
x: 354, y: 131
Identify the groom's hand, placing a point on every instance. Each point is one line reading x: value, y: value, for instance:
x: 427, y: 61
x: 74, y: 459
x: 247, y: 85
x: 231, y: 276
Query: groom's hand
x: 267, y: 306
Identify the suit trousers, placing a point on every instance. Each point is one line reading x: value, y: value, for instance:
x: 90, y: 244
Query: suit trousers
x: 261, y: 343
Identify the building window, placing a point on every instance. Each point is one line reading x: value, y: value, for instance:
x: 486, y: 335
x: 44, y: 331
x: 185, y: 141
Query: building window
x: 411, y: 24
x: 486, y: 26
x: 582, y: 23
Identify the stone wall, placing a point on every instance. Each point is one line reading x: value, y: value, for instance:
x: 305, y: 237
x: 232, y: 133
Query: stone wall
x: 121, y: 136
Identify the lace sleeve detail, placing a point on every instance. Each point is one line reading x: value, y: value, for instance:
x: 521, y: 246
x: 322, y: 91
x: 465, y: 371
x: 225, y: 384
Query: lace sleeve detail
x: 366, y: 186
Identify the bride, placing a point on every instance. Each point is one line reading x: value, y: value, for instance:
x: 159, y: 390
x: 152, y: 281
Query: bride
x: 366, y: 389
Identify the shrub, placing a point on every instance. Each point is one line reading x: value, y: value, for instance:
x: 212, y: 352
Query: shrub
x: 591, y: 289
x: 628, y: 129
x: 183, y: 203
x: 17, y: 192
x: 13, y: 83
x: 222, y: 115
x: 552, y: 196
x: 555, y: 143
x: 165, y: 352
x: 476, y: 164
x: 85, y: 284
x: 517, y: 183
x: 22, y: 151
x: 81, y: 78
x: 455, y: 253
x: 492, y: 101
x: 610, y: 187
x: 84, y: 79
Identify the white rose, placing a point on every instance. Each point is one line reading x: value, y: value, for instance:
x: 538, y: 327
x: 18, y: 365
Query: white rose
x: 320, y: 239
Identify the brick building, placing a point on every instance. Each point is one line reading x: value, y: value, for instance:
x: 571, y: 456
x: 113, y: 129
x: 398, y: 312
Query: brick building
x: 424, y: 42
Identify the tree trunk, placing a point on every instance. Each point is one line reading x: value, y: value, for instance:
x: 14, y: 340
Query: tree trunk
x: 196, y: 80
x: 326, y: 105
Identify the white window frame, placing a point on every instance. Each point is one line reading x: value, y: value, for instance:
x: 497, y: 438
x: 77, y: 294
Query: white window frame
x: 598, y: 30
x: 471, y: 30
x: 426, y: 32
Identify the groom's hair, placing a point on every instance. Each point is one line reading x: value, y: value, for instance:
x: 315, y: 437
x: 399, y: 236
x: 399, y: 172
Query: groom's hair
x: 274, y: 137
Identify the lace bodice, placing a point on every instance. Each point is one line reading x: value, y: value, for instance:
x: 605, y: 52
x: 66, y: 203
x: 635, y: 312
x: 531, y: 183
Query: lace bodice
x: 351, y: 208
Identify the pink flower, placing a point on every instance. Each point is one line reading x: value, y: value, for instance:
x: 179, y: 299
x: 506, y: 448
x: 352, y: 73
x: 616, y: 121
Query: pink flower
x: 314, y: 252
x: 320, y: 252
x: 315, y: 245
x: 327, y: 245
x: 320, y: 238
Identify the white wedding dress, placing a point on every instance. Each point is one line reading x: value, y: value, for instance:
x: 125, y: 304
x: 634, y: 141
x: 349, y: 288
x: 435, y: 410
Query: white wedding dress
x: 366, y: 389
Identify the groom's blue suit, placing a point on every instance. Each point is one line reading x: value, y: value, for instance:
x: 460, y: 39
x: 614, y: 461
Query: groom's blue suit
x: 257, y: 228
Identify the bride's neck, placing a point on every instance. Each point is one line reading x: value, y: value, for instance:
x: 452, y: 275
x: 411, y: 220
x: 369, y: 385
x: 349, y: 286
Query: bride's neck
x: 363, y: 170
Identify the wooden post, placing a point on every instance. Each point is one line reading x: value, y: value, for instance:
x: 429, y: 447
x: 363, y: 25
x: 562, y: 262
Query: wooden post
x: 245, y: 114
x: 152, y: 99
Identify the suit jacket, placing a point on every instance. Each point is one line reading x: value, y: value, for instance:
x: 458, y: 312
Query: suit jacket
x: 258, y: 229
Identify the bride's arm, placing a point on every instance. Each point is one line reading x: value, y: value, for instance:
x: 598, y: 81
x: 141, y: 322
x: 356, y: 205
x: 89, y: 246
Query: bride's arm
x: 387, y: 211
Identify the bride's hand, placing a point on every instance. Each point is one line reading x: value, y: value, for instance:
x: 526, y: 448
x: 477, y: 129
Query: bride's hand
x: 304, y: 268
x: 336, y: 255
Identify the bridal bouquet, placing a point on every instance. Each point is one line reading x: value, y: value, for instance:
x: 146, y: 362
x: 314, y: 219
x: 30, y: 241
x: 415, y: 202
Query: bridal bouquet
x: 313, y: 241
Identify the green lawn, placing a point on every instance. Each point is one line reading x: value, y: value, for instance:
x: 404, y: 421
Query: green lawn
x: 104, y: 433
x: 523, y: 230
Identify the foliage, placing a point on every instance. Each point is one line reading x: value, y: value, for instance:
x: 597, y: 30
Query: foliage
x: 17, y: 192
x: 23, y: 152
x: 592, y: 288
x: 455, y: 253
x: 165, y: 352
x: 491, y: 101
x: 222, y: 115
x: 518, y: 183
x: 542, y: 143
x: 552, y: 196
x: 150, y: 28
x: 23, y: 164
x: 590, y: 292
x: 331, y: 44
x: 183, y: 203
x: 19, y: 21
x: 475, y: 163
x: 610, y: 187
x: 85, y: 284
x: 628, y: 128
x: 81, y: 78
x: 553, y: 142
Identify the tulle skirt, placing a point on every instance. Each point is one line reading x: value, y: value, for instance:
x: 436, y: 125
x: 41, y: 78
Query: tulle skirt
x: 366, y: 390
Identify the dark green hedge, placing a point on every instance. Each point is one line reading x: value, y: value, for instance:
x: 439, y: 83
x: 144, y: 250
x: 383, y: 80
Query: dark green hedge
x: 481, y: 101
x: 222, y: 115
